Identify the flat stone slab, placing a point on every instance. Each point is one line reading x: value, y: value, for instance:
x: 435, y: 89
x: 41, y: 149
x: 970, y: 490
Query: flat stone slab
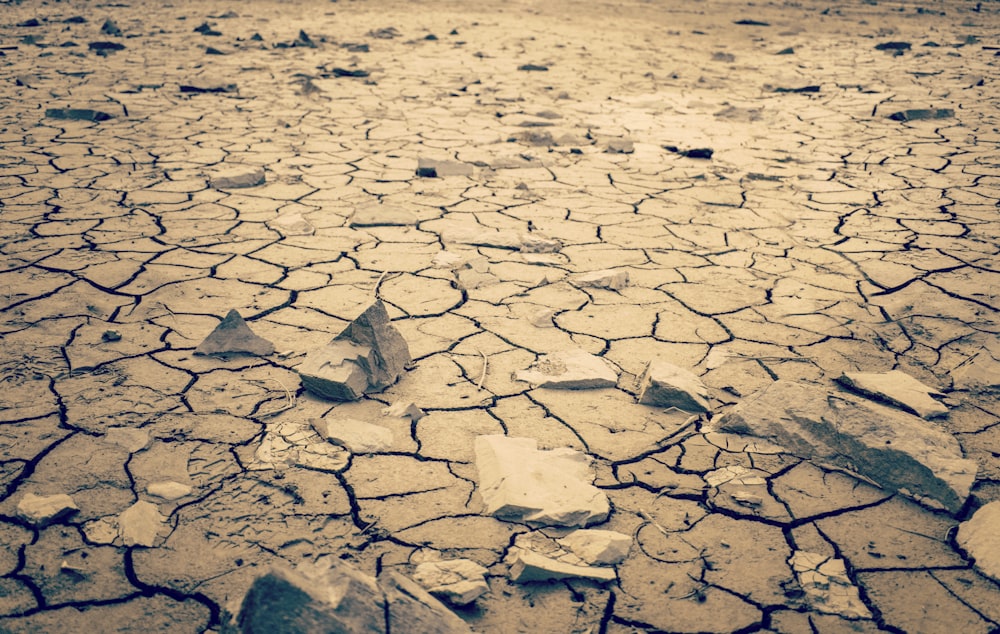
x: 598, y: 547
x: 236, y: 177
x: 292, y: 224
x: 664, y: 384
x: 357, y: 435
x: 826, y: 585
x: 897, y: 388
x: 608, y: 278
x: 570, y: 370
x: 233, y: 336
x: 140, y: 524
x: 78, y: 114
x: 979, y: 536
x: 520, y: 483
x: 896, y: 450
x: 456, y: 581
x: 42, y: 510
x: 537, y: 557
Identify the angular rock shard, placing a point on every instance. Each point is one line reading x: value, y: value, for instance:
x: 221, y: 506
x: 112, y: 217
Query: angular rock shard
x: 896, y: 450
x: 339, y: 599
x: 77, y: 114
x: 537, y: 557
x: 233, y: 336
x: 979, y: 536
x: 570, y: 370
x: 598, y: 547
x: 42, y: 510
x: 456, y: 581
x: 292, y: 224
x: 140, y: 524
x: 666, y: 385
x: 367, y: 356
x: 519, y: 482
x: 609, y: 279
x: 358, y: 436
x: 826, y: 585
x: 918, y: 114
x: 897, y: 388
x: 237, y: 176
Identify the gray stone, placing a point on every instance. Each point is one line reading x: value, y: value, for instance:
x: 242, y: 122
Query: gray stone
x: 42, y: 510
x: 432, y: 168
x: 237, y: 176
x: 896, y: 450
x: 338, y: 599
x: 456, y: 581
x: 979, y: 536
x: 77, y: 114
x: 519, y: 482
x: 897, y: 388
x: 233, y: 336
x: 570, y: 370
x: 666, y: 385
x: 609, y: 279
x: 140, y: 524
x: 367, y: 356
x: 356, y: 435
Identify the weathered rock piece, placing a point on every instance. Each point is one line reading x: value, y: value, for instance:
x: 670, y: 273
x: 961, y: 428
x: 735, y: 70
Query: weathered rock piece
x: 979, y: 536
x: 456, y: 581
x: 356, y: 435
x: 519, y: 482
x: 42, y: 510
x: 338, y: 599
x: 826, y: 585
x: 293, y: 443
x: 430, y: 168
x: 77, y: 114
x: 918, y: 114
x: 570, y: 370
x: 168, y: 490
x: 140, y: 524
x: 598, y: 547
x: 537, y: 557
x: 207, y: 86
x: 233, y: 336
x: 666, y: 385
x: 367, y: 356
x: 896, y: 450
x: 609, y: 279
x: 897, y: 388
x: 292, y: 224
x: 237, y: 176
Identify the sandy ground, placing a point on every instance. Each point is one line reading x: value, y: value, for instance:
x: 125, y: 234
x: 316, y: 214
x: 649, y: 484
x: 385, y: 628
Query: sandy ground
x: 822, y: 236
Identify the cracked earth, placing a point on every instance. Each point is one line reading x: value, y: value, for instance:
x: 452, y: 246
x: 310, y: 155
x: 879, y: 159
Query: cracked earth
x: 467, y: 163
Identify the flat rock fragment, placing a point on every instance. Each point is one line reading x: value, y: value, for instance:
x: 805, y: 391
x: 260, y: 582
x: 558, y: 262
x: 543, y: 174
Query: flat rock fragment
x: 979, y: 536
x: 77, y: 114
x: 537, y: 557
x: 339, y: 598
x: 292, y: 224
x: 207, y: 86
x: 42, y: 510
x: 382, y: 216
x: 518, y: 482
x: 233, y: 336
x: 367, y: 356
x: 237, y: 176
x: 570, y: 370
x: 526, y: 242
x: 664, y: 384
x: 826, y: 585
x: 140, y: 524
x: 297, y: 444
x: 597, y: 547
x: 356, y: 435
x: 168, y: 490
x: 920, y: 114
x: 456, y: 581
x: 896, y: 450
x: 897, y: 388
x: 432, y: 168
x: 608, y: 278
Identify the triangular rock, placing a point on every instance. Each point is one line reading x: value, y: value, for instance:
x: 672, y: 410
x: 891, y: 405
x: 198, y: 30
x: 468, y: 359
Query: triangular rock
x: 980, y: 538
x: 666, y: 385
x: 233, y: 336
x: 897, y: 388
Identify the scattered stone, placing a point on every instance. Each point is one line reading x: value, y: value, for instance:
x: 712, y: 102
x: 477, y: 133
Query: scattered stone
x: 519, y: 482
x: 918, y: 114
x: 826, y: 585
x: 404, y: 409
x: 336, y: 597
x: 368, y: 356
x: 893, y: 46
x: 168, y: 490
x: 357, y: 436
x: 455, y: 581
x: 110, y: 28
x: 382, y: 216
x: 337, y: 71
x: 786, y: 51
x: 76, y: 19
x: 896, y: 450
x: 620, y: 146
x: 532, y: 67
x: 292, y: 224
x: 304, y: 41
x: 537, y: 557
x: 206, y: 29
x: 110, y: 336
x: 720, y: 56
x: 103, y: 530
x: 543, y: 318
x: 207, y: 86
x: 666, y: 385
x: 104, y: 48
x: 42, y: 510
x: 385, y: 33
x: 211, y: 50
x: 236, y: 176
x: 294, y: 444
x: 802, y: 89
x: 430, y: 168
x: 233, y: 336
x: 608, y: 278
x: 598, y: 547
x: 751, y: 23
x: 30, y: 22
x: 979, y: 536
x: 897, y: 388
x: 140, y: 524
x: 570, y: 370
x: 695, y: 153
x: 77, y: 114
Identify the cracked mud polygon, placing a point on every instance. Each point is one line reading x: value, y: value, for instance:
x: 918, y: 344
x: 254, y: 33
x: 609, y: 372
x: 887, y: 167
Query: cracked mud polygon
x: 752, y: 192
